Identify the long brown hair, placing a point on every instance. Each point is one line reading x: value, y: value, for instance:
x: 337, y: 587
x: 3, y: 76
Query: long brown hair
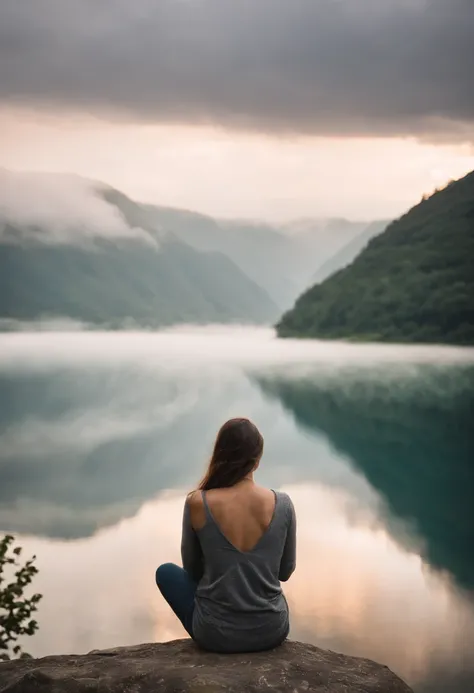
x: 238, y: 448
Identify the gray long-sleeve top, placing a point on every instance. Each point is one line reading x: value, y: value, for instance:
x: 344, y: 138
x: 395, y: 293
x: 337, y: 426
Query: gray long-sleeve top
x: 239, y: 604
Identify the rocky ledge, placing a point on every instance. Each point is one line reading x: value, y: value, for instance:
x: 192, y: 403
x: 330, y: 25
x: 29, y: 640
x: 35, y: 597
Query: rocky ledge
x: 180, y: 667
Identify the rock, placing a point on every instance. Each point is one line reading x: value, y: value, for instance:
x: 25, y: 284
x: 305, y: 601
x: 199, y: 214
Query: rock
x: 180, y: 667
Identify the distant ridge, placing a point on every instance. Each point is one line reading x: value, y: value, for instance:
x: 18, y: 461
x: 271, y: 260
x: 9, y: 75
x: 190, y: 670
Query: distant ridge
x: 112, y: 266
x: 349, y: 252
x: 80, y: 250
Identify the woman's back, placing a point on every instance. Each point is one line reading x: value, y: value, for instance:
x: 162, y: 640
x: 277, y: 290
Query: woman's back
x: 242, y: 512
x: 238, y: 543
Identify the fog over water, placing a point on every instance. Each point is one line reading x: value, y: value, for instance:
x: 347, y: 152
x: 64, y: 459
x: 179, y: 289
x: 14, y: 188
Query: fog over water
x: 101, y: 435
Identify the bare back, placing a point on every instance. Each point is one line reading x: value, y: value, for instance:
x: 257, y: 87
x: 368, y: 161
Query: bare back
x: 238, y: 544
x: 242, y: 512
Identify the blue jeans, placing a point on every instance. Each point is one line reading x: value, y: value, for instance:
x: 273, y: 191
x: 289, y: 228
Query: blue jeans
x: 179, y: 590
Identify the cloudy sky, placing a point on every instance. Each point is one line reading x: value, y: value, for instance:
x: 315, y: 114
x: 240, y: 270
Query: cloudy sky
x: 262, y: 108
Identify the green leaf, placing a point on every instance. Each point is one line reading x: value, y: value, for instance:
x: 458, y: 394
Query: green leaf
x: 15, y: 608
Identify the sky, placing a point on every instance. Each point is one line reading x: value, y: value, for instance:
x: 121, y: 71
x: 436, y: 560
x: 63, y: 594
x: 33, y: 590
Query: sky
x: 274, y: 109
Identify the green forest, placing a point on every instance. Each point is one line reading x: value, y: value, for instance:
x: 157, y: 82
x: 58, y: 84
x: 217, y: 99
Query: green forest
x: 174, y: 266
x: 114, y: 282
x: 413, y: 283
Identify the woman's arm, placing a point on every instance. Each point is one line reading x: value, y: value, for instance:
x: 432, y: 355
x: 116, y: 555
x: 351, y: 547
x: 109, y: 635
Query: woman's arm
x: 191, y: 552
x: 288, y: 559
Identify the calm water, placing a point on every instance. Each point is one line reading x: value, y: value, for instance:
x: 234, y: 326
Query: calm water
x: 102, y: 434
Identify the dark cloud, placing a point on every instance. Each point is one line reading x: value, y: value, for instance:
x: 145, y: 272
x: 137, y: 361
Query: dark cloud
x: 309, y: 66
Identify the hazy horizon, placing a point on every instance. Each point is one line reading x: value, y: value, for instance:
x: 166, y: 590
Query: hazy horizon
x: 271, y: 111
x: 282, y: 224
x: 280, y: 172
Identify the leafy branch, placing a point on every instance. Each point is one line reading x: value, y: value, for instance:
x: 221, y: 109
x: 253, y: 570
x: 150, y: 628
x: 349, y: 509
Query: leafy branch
x: 15, y: 609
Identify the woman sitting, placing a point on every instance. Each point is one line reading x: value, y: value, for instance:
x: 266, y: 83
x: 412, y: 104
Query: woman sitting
x: 238, y: 544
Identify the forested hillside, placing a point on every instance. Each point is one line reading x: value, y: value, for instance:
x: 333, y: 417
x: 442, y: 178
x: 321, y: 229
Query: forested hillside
x: 412, y: 283
x: 79, y: 249
x: 109, y: 268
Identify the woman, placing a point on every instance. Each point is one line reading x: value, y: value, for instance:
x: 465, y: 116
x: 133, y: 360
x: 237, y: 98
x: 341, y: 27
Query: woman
x: 238, y: 543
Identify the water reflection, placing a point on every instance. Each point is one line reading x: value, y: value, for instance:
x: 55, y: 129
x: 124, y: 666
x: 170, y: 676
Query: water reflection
x: 414, y: 442
x: 355, y: 589
x: 101, y: 434
x: 84, y: 441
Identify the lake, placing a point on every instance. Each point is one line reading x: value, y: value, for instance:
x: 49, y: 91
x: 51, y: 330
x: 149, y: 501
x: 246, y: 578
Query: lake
x: 102, y: 434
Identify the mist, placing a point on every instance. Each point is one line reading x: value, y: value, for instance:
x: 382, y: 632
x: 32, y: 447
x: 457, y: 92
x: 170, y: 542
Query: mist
x: 60, y: 209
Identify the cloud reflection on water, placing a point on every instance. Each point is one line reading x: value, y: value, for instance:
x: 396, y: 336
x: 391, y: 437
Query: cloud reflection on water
x: 355, y: 588
x: 94, y: 426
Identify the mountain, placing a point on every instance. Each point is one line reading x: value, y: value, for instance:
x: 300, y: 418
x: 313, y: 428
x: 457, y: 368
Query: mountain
x: 110, y: 266
x: 75, y: 248
x: 412, y: 283
x: 326, y: 235
x: 280, y: 259
x: 115, y: 283
x: 258, y: 249
x: 349, y: 252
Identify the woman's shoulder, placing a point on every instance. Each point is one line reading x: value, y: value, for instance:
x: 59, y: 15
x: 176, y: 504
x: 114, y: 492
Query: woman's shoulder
x: 197, y: 513
x: 194, y: 498
x: 283, y: 497
x: 285, y: 503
